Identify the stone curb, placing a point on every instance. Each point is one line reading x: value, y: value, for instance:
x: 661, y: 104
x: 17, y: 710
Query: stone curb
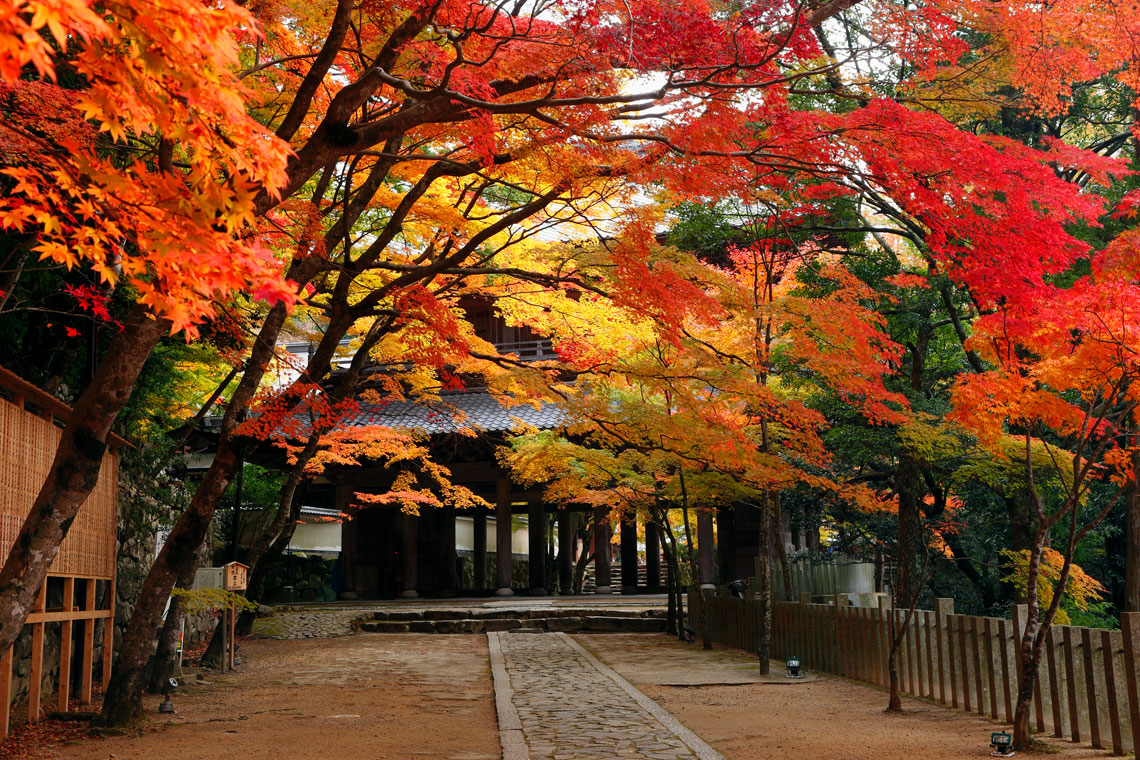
x: 694, y: 742
x: 510, y: 727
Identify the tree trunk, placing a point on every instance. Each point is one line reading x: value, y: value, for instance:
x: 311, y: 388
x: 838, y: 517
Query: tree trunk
x: 122, y: 703
x: 673, y: 574
x: 764, y: 585
x: 694, y: 570
x: 781, y: 551
x: 1132, y: 532
x: 908, y: 485
x: 167, y: 653
x: 1032, y: 639
x: 74, y: 470
x: 1027, y: 683
x: 894, y: 703
x: 259, y: 573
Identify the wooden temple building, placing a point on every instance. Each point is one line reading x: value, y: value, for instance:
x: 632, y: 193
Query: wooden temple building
x: 387, y: 554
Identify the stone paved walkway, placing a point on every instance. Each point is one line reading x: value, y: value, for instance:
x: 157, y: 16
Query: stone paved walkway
x: 570, y: 706
x: 307, y: 624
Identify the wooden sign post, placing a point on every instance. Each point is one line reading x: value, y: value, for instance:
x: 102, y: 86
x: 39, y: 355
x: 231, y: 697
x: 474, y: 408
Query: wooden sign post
x: 235, y: 577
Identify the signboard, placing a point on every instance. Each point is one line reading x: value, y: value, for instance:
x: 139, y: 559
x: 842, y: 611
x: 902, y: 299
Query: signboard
x: 235, y: 576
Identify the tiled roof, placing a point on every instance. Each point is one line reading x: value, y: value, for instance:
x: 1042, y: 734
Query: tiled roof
x: 455, y: 411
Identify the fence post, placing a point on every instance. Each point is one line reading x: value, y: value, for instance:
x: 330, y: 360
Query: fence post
x: 886, y: 615
x: 1106, y: 646
x: 1071, y: 683
x: 974, y: 647
x: 1054, y: 685
x: 836, y: 661
x: 943, y: 608
x: 1020, y: 616
x: 1003, y: 639
x: 1090, y: 686
x: 1130, y: 627
x: 989, y: 652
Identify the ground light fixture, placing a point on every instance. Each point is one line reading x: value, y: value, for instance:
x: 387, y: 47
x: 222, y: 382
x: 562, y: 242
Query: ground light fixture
x: 795, y: 667
x: 1002, y: 744
x: 167, y: 705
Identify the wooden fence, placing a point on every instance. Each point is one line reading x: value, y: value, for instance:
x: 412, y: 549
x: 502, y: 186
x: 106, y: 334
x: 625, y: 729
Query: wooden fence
x: 83, y: 572
x: 1087, y: 686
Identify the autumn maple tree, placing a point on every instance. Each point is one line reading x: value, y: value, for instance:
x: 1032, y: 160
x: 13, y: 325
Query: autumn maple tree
x: 133, y: 177
x: 428, y: 138
x: 379, y: 161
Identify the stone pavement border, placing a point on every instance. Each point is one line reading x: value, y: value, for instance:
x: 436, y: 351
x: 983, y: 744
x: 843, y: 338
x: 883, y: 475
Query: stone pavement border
x: 510, y: 727
x: 695, y: 743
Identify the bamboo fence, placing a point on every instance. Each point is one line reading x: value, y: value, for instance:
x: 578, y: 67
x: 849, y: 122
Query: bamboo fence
x: 82, y: 573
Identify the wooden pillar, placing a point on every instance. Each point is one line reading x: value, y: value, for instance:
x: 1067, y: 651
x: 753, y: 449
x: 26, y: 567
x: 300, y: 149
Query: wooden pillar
x: 536, y: 542
x: 109, y: 633
x: 629, y: 554
x: 504, y: 570
x: 88, y: 645
x: 233, y: 635
x: 66, y: 628
x: 479, y: 522
x: 36, y: 675
x: 602, y: 551
x: 410, y: 555
x: 705, y: 547
x: 652, y: 557
x: 5, y: 691
x: 726, y: 544
x: 348, y: 552
x: 566, y: 541
x: 448, y: 574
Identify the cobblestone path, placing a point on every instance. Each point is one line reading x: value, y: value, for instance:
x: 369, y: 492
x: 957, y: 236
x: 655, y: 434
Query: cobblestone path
x: 307, y: 624
x: 569, y: 706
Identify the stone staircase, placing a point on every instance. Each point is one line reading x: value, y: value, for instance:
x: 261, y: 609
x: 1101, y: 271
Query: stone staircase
x: 499, y: 619
x: 589, y: 583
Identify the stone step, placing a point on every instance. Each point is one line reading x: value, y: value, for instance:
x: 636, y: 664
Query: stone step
x: 590, y: 623
x: 510, y: 614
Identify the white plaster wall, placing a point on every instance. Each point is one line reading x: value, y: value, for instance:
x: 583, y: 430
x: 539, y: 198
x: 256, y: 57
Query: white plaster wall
x: 316, y: 537
x: 465, y: 536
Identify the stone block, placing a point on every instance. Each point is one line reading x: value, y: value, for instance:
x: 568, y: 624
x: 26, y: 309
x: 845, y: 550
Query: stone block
x: 472, y: 626
x: 501, y: 625
x: 399, y: 615
x: 385, y: 626
x: 497, y: 614
x: 624, y: 624
x: 564, y: 624
x: 422, y: 626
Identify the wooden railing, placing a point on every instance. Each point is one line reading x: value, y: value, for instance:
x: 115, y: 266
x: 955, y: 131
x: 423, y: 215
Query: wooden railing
x: 529, y: 350
x: 1087, y: 685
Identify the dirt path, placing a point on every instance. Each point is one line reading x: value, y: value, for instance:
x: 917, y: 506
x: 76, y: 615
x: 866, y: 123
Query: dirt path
x: 366, y: 696
x: 396, y: 696
x: 720, y: 696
